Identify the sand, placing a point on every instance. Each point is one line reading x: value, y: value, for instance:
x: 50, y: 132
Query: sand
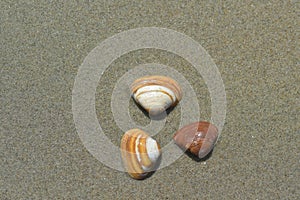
x: 43, y: 44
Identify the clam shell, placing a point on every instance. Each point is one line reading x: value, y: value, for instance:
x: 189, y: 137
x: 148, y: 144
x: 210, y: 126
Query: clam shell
x: 156, y: 93
x: 199, y: 138
x: 141, y: 154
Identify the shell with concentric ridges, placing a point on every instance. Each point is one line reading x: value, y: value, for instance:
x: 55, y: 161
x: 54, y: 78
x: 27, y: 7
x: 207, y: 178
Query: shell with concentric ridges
x: 156, y: 93
x: 141, y: 154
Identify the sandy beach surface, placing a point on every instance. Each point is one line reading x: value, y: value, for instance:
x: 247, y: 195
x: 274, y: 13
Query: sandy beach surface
x: 254, y: 46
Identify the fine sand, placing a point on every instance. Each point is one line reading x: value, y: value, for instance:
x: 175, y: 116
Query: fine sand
x: 254, y: 46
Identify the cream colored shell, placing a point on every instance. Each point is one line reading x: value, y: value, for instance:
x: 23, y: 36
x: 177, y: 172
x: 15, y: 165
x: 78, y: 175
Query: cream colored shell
x: 156, y: 93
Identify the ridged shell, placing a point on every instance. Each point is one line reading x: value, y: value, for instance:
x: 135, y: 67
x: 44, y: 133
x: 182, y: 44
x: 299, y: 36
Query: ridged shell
x: 199, y: 138
x: 156, y: 93
x: 141, y: 154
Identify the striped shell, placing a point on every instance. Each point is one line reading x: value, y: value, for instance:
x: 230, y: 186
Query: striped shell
x: 156, y: 93
x: 141, y: 154
x: 199, y: 138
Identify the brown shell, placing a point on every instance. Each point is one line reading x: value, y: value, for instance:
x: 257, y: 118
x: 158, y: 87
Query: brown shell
x: 199, y: 138
x: 136, y: 160
x: 158, y: 80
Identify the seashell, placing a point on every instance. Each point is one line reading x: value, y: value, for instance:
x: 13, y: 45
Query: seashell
x: 156, y: 93
x: 141, y: 154
x: 199, y: 138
